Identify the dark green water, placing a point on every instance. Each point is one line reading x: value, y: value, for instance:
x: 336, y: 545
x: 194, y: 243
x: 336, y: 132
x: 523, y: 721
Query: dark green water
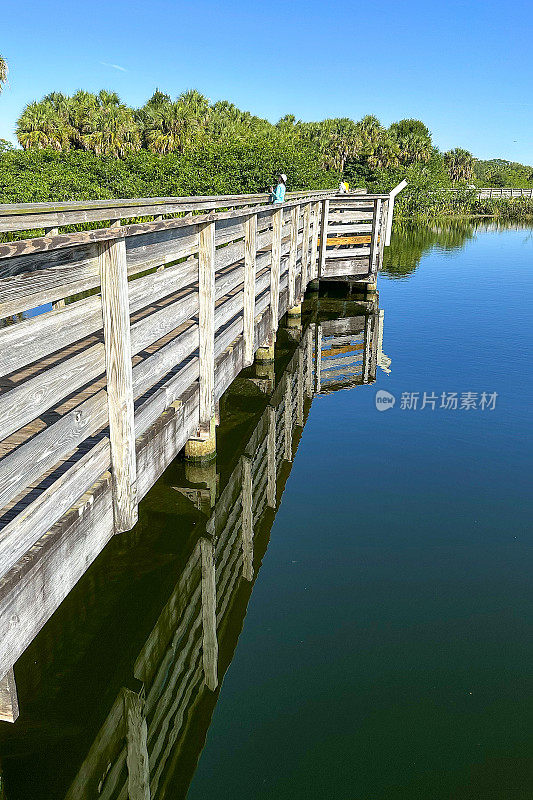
x: 385, y: 650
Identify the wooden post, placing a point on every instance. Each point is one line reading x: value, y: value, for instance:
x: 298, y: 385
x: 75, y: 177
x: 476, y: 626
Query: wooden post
x: 318, y: 358
x: 392, y: 196
x: 206, y: 284
x: 116, y: 318
x: 9, y: 704
x: 293, y: 254
x: 271, y: 457
x: 305, y: 247
x: 366, y: 351
x: 375, y: 234
x: 313, y: 269
x: 300, y: 390
x: 247, y: 520
x: 209, y: 614
x: 309, y: 361
x: 250, y: 248
x: 277, y: 220
x: 323, y: 236
x: 287, y: 418
x: 137, y: 747
x: 382, y: 231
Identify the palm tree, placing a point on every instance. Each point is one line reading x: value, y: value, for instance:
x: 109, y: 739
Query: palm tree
x: 171, y: 127
x: 3, y: 72
x: 460, y: 164
x: 413, y: 139
x: 40, y: 126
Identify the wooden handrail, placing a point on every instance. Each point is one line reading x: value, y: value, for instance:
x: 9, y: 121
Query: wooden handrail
x: 29, y: 216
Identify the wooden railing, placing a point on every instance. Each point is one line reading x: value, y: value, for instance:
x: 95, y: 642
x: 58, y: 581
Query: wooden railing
x: 145, y: 324
x: 145, y: 313
x: 505, y: 193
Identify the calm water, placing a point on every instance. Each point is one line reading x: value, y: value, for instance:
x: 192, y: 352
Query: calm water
x: 386, y: 650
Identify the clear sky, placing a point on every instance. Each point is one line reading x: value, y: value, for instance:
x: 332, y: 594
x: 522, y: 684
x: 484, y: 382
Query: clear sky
x: 464, y: 68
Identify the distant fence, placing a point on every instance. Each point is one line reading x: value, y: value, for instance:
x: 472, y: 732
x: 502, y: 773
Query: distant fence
x: 497, y: 193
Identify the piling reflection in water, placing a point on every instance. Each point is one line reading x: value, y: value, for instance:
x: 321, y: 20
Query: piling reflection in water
x: 119, y: 688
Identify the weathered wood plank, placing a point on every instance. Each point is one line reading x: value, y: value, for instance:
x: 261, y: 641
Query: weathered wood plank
x: 305, y: 246
x: 32, y: 522
x: 117, y: 341
x: 9, y: 706
x: 323, y: 235
x: 249, y: 288
x: 277, y: 220
x: 350, y: 216
x: 293, y: 254
x: 287, y: 418
x: 209, y: 620
x: 206, y: 283
x: 375, y: 234
x: 313, y: 262
x: 33, y: 459
x: 348, y: 252
x: 247, y: 520
x: 137, y: 750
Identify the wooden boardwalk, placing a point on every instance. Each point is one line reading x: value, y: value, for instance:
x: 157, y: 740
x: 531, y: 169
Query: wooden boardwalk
x: 147, y: 324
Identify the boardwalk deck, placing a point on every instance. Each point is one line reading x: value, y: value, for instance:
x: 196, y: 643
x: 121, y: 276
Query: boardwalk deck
x: 147, y: 330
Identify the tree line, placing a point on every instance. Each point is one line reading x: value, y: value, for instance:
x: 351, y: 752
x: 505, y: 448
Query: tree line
x: 102, y: 124
x: 92, y: 145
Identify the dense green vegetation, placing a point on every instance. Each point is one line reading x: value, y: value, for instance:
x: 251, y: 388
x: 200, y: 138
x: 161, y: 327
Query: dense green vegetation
x: 91, y: 146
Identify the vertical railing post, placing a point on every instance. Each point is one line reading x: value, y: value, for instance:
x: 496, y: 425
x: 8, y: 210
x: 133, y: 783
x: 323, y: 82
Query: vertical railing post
x: 313, y: 267
x: 247, y: 520
x: 209, y: 614
x: 206, y: 285
x: 271, y: 457
x: 382, y: 231
x: 137, y: 760
x: 318, y: 358
x: 9, y: 705
x: 309, y: 360
x: 375, y: 233
x: 250, y: 248
x: 287, y: 418
x: 305, y: 247
x: 277, y: 221
x: 300, y: 392
x: 323, y: 236
x: 117, y: 342
x: 293, y: 254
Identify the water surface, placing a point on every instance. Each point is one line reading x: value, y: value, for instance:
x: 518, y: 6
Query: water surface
x: 386, y: 649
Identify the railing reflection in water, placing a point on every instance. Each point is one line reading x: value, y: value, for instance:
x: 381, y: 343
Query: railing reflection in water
x: 149, y: 722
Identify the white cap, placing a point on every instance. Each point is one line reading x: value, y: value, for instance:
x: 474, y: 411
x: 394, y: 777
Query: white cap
x: 283, y: 177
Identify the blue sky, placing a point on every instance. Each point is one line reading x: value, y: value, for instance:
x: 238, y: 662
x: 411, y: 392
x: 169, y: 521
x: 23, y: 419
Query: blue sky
x: 462, y: 67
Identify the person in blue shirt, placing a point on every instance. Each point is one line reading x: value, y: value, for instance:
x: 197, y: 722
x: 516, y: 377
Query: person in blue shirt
x: 278, y: 194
